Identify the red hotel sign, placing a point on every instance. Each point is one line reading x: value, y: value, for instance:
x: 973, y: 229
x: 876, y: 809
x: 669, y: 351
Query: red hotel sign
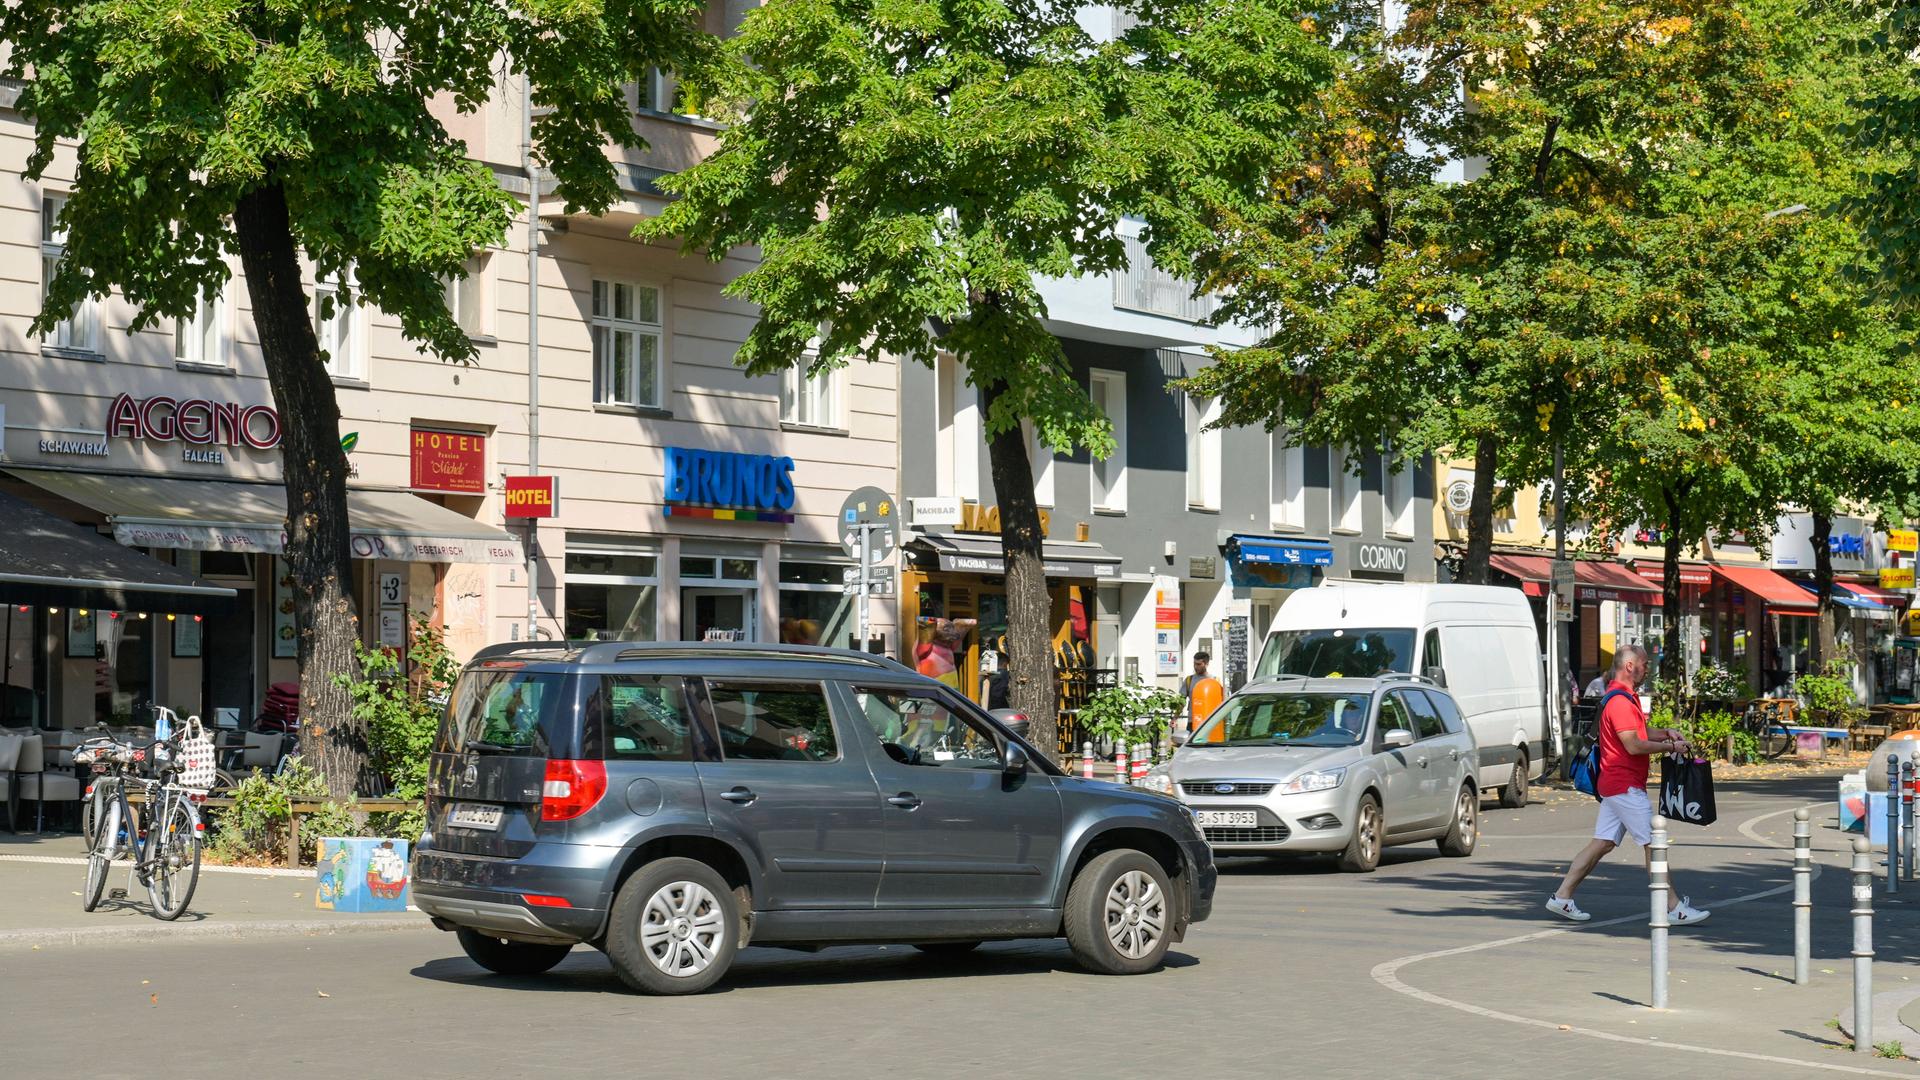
x: 533, y: 496
x: 451, y: 461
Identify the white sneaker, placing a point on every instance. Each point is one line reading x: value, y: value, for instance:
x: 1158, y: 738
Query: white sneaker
x: 1686, y: 914
x: 1567, y: 909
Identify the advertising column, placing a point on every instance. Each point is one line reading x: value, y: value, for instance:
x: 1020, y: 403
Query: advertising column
x: 1166, y: 626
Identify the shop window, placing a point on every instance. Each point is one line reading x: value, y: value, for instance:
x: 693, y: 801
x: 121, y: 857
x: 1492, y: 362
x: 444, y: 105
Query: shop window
x: 467, y: 297
x: 1109, y: 392
x: 1203, y: 453
x: 814, y: 606
x: 710, y: 568
x: 121, y: 644
x: 80, y: 330
x: 336, y: 323
x: 628, y: 340
x: 1288, y: 482
x: 224, y: 564
x: 201, y: 338
x: 612, y: 596
x: 811, y: 400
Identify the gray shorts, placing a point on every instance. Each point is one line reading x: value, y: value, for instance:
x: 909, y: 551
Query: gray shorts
x: 1628, y: 813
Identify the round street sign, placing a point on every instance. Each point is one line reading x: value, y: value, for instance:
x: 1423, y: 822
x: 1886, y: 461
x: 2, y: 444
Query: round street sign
x: 870, y: 506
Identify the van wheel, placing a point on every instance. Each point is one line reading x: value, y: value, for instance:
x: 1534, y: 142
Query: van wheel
x: 1363, y: 851
x: 1514, y: 795
x: 510, y: 957
x: 674, y: 928
x: 1465, y: 831
x: 1120, y: 914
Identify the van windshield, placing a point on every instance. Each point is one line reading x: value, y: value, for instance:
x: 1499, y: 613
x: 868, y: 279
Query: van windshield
x: 1346, y: 652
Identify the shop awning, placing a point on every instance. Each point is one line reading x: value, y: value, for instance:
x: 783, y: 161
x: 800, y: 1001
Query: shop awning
x: 1279, y: 550
x: 229, y: 515
x: 1691, y: 573
x: 1597, y: 580
x: 1060, y: 558
x: 1534, y: 572
x: 46, y: 561
x: 1854, y: 602
x: 1781, y: 595
x: 1881, y: 596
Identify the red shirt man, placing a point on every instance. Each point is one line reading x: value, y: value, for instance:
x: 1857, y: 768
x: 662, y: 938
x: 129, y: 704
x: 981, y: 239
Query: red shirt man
x: 1621, y: 771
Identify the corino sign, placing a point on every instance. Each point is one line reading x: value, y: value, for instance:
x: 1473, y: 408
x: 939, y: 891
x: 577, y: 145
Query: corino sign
x: 1378, y: 560
x: 195, y: 421
x: 724, y: 485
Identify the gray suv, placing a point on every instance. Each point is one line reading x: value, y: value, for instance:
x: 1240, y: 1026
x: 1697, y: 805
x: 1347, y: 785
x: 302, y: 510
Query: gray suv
x: 671, y: 804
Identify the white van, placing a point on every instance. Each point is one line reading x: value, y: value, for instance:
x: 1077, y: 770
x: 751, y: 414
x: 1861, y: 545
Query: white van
x: 1477, y: 640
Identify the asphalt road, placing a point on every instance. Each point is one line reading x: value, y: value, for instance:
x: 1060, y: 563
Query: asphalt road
x: 1429, y: 967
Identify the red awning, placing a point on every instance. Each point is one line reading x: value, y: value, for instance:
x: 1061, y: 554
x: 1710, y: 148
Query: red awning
x: 1611, y: 581
x: 1874, y: 592
x: 1691, y: 573
x: 1535, y: 570
x: 1779, y: 594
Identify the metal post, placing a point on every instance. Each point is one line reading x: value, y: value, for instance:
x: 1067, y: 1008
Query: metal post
x: 533, y: 355
x: 1862, y: 947
x: 1121, y: 774
x: 1802, y: 895
x: 1906, y: 818
x: 866, y: 555
x: 1561, y: 631
x: 1657, y: 886
x: 1893, y: 824
x: 1086, y: 760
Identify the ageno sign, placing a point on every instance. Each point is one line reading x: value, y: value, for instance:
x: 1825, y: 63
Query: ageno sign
x: 195, y: 421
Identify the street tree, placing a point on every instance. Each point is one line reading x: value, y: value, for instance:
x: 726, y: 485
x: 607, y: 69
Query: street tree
x: 209, y: 128
x: 1887, y: 127
x: 909, y: 170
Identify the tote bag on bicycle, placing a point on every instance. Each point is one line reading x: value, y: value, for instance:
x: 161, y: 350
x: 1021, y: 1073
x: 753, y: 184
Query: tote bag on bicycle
x: 196, y: 756
x: 1686, y: 789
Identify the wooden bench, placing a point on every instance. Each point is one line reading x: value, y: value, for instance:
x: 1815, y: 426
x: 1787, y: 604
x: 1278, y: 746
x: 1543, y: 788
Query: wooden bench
x: 1827, y: 734
x: 301, y: 807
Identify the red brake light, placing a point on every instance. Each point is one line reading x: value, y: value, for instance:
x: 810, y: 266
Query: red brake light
x: 537, y: 900
x: 572, y: 788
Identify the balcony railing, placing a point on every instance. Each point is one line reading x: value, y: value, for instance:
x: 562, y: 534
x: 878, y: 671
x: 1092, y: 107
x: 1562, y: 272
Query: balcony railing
x: 1144, y: 287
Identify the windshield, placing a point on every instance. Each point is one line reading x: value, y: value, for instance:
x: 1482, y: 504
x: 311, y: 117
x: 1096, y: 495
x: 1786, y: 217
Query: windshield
x: 1286, y: 719
x: 1360, y: 653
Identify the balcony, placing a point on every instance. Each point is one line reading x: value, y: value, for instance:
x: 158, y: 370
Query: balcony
x: 1146, y: 288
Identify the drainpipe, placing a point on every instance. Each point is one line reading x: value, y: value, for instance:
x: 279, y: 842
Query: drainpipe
x: 533, y: 351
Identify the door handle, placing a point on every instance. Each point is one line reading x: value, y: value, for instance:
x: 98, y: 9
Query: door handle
x: 740, y: 795
x: 1422, y: 762
x: 906, y: 800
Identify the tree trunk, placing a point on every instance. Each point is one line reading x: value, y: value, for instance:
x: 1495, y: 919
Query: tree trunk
x: 318, y: 556
x: 1486, y: 456
x: 1823, y: 647
x: 1031, y: 688
x: 1673, y: 658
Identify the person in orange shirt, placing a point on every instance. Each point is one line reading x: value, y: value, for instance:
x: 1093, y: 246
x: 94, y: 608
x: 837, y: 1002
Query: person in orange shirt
x: 1200, y: 693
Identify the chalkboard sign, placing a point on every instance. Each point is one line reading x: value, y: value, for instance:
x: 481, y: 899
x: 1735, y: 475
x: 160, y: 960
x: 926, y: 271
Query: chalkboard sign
x: 1237, y: 630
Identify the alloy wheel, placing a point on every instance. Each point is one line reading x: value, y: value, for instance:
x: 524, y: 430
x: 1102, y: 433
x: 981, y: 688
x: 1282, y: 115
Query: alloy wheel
x: 1369, y: 827
x: 681, y: 928
x: 1136, y: 914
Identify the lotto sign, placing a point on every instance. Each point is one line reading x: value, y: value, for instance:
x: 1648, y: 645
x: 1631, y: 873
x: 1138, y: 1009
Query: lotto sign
x: 450, y: 461
x: 1896, y: 577
x: 533, y: 496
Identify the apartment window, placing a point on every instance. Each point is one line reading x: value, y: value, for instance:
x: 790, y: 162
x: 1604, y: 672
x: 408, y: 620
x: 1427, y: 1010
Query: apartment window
x: 467, y: 297
x: 627, y: 337
x: 957, y: 414
x: 1397, y: 492
x: 201, y: 338
x: 650, y: 93
x: 1288, y: 483
x: 336, y: 324
x: 1109, y: 392
x: 1503, y: 521
x: 1345, y: 487
x: 661, y: 92
x: 1203, y: 453
x: 811, y: 400
x: 81, y: 328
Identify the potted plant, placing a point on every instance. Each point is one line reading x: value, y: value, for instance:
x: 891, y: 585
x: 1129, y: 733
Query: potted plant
x: 1129, y: 714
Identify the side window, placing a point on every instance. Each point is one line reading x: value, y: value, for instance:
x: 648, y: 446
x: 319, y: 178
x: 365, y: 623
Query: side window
x: 1393, y: 714
x: 773, y: 721
x: 1426, y: 722
x: 1430, y: 653
x: 920, y: 729
x: 1449, y: 712
x: 648, y: 719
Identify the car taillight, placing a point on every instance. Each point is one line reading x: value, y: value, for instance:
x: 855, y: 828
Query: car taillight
x: 538, y: 900
x: 571, y: 788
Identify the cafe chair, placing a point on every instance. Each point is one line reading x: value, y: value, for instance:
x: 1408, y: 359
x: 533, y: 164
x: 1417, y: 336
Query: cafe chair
x: 9, y: 776
x: 40, y: 784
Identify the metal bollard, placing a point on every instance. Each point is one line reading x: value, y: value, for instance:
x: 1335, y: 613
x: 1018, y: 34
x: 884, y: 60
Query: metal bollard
x: 1862, y: 947
x: 1086, y: 760
x: 1658, y: 887
x: 1121, y: 775
x: 1893, y: 824
x: 1802, y: 896
x: 1906, y: 819
x: 1142, y: 759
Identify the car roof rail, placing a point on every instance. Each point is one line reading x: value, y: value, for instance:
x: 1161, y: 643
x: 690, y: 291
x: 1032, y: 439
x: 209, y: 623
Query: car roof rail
x: 745, y: 650
x: 509, y: 648
x: 1404, y: 676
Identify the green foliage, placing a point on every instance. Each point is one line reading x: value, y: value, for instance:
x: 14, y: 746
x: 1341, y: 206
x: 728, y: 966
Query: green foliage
x: 1888, y: 131
x: 1890, y: 1049
x: 1746, y: 747
x: 1830, y: 692
x: 402, y: 708
x: 1129, y: 713
x: 1717, y: 682
x: 1709, y: 730
x: 254, y: 828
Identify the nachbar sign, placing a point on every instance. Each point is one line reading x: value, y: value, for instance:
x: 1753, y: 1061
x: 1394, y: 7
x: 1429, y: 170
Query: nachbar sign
x: 533, y: 496
x: 195, y: 421
x: 450, y: 461
x: 728, y: 486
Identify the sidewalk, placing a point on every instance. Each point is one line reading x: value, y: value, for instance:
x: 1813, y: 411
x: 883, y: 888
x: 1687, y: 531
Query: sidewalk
x: 41, y: 881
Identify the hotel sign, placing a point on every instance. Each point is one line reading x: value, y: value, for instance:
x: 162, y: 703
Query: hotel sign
x: 533, y: 496
x: 451, y: 461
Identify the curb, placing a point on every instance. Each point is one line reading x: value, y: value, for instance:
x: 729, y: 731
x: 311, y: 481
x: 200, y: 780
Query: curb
x: 168, y: 933
x: 1887, y: 1025
x: 254, y: 871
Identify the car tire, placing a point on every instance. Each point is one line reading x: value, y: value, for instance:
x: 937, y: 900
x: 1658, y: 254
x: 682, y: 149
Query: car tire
x: 1514, y: 794
x: 1124, y: 941
x: 510, y: 957
x: 1464, y: 834
x: 947, y: 948
x: 1369, y: 829
x: 674, y: 929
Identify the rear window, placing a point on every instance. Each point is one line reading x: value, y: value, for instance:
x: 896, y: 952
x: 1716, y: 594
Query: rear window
x: 508, y: 711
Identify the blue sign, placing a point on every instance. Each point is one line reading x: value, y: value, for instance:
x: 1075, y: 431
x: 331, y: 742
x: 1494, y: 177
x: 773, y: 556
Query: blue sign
x: 724, y: 478
x: 1285, y: 552
x: 1852, y: 544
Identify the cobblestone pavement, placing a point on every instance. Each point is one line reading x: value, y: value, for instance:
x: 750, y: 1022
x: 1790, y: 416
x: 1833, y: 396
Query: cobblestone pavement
x: 1429, y: 967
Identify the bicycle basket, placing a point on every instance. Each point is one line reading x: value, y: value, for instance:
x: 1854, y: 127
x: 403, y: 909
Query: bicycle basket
x: 196, y: 760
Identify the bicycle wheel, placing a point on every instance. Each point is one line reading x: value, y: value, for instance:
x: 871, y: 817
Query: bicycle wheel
x: 92, y: 810
x: 98, y: 857
x: 176, y: 860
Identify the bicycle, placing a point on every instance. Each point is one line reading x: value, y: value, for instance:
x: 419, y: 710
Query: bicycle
x: 166, y: 852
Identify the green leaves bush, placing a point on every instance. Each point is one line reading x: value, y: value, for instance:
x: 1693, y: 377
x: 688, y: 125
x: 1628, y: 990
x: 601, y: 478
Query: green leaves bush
x: 1131, y: 712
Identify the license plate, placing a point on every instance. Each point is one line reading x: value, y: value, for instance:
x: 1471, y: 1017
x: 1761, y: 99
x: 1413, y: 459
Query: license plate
x: 1227, y: 819
x: 474, y: 816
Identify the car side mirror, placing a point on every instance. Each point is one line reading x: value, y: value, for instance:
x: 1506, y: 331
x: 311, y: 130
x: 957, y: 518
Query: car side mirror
x: 1436, y: 675
x: 1397, y: 737
x: 1016, y: 760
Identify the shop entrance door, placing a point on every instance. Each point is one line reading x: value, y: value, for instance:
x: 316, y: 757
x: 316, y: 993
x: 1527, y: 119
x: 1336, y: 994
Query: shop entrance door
x: 226, y: 649
x: 705, y: 612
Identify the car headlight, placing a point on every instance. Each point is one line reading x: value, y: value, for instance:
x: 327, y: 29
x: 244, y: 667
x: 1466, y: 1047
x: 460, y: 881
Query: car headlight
x: 1319, y: 781
x: 1158, y: 779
